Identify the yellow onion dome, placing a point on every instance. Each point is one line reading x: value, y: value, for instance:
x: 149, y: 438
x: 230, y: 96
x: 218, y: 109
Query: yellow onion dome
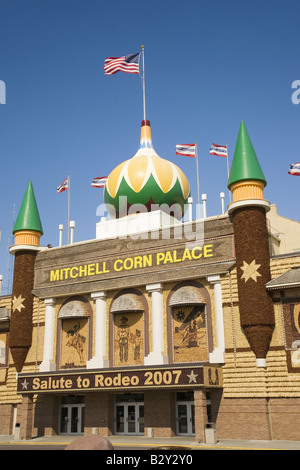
x: 146, y: 179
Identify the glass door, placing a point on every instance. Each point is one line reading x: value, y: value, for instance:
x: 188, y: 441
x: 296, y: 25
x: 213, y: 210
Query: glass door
x: 75, y: 417
x: 72, y: 419
x: 129, y: 418
x: 64, y: 419
x: 182, y: 419
x: 192, y: 418
x: 140, y: 419
x: 185, y: 419
x: 120, y: 419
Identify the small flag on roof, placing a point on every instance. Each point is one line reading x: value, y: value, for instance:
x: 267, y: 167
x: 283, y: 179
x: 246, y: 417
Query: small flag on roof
x: 219, y: 150
x: 64, y: 186
x: 99, y: 182
x: 187, y: 150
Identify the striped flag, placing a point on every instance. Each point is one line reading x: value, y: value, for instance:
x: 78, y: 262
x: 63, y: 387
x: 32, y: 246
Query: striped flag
x: 219, y: 150
x: 294, y: 169
x: 64, y: 186
x: 188, y: 150
x: 99, y: 182
x: 127, y: 63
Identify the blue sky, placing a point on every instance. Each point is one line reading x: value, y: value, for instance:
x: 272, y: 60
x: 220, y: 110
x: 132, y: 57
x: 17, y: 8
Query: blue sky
x: 208, y: 64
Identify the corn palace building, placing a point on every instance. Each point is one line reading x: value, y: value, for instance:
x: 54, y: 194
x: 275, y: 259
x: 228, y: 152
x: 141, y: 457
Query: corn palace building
x: 157, y: 327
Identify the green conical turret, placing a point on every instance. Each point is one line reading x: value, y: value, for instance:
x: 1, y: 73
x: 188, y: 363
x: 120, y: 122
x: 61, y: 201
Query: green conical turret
x: 251, y: 243
x: 27, y: 232
x: 245, y: 165
x: 28, y: 217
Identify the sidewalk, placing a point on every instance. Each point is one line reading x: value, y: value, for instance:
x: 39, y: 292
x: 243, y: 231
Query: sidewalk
x: 144, y: 443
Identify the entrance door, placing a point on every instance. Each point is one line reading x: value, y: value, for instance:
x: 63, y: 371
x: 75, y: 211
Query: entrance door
x: 72, y: 416
x: 185, y: 418
x: 129, y: 418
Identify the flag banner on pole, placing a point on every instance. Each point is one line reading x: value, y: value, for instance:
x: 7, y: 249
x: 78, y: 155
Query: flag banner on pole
x: 188, y: 150
x: 294, y: 169
x: 64, y: 186
x: 127, y: 63
x: 219, y: 150
x: 99, y: 182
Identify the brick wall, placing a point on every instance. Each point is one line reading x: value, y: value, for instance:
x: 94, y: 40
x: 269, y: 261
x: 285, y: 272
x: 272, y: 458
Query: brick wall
x: 6, y: 419
x: 46, y: 415
x: 285, y: 414
x: 99, y: 414
x: 160, y: 413
x: 26, y: 417
x: 200, y: 415
x: 243, y: 419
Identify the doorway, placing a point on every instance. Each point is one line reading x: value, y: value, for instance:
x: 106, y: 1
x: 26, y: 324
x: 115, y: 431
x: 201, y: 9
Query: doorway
x: 129, y: 414
x: 72, y: 415
x: 185, y: 414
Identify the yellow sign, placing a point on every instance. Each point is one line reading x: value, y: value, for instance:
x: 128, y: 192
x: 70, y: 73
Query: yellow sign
x: 132, y: 263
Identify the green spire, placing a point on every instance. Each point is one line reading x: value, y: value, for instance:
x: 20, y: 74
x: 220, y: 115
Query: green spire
x: 28, y: 217
x: 245, y: 165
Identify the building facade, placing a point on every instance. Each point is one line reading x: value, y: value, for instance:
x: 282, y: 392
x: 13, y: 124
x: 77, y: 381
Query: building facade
x: 157, y: 327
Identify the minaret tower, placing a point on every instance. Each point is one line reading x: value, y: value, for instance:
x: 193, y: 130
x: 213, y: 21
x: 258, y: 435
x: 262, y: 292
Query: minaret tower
x: 27, y: 231
x: 248, y: 210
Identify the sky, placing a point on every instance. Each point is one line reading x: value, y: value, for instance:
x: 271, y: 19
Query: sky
x: 208, y: 65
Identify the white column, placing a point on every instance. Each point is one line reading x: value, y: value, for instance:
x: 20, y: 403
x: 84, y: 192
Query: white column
x: 99, y: 360
x: 222, y: 196
x: 47, y: 364
x: 218, y: 354
x: 204, y: 199
x: 72, y: 226
x: 190, y: 203
x: 157, y: 356
x: 60, y: 228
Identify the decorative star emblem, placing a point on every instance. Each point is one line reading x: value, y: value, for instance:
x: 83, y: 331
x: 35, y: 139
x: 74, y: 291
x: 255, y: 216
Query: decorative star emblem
x: 180, y: 315
x: 25, y: 384
x: 250, y: 270
x: 192, y: 377
x: 18, y: 303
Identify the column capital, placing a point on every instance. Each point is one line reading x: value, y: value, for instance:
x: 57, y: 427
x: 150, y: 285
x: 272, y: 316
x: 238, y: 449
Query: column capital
x: 50, y: 301
x: 99, y: 295
x: 214, y: 278
x: 157, y: 287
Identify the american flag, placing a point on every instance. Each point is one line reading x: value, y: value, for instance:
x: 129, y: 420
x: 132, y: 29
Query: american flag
x: 99, y: 182
x: 63, y: 186
x: 294, y: 169
x: 188, y: 150
x: 219, y: 150
x: 127, y: 63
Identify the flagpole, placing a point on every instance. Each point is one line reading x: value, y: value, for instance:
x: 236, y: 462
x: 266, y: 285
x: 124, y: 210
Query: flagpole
x: 69, y: 190
x: 227, y: 158
x: 144, y: 91
x: 198, y: 188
